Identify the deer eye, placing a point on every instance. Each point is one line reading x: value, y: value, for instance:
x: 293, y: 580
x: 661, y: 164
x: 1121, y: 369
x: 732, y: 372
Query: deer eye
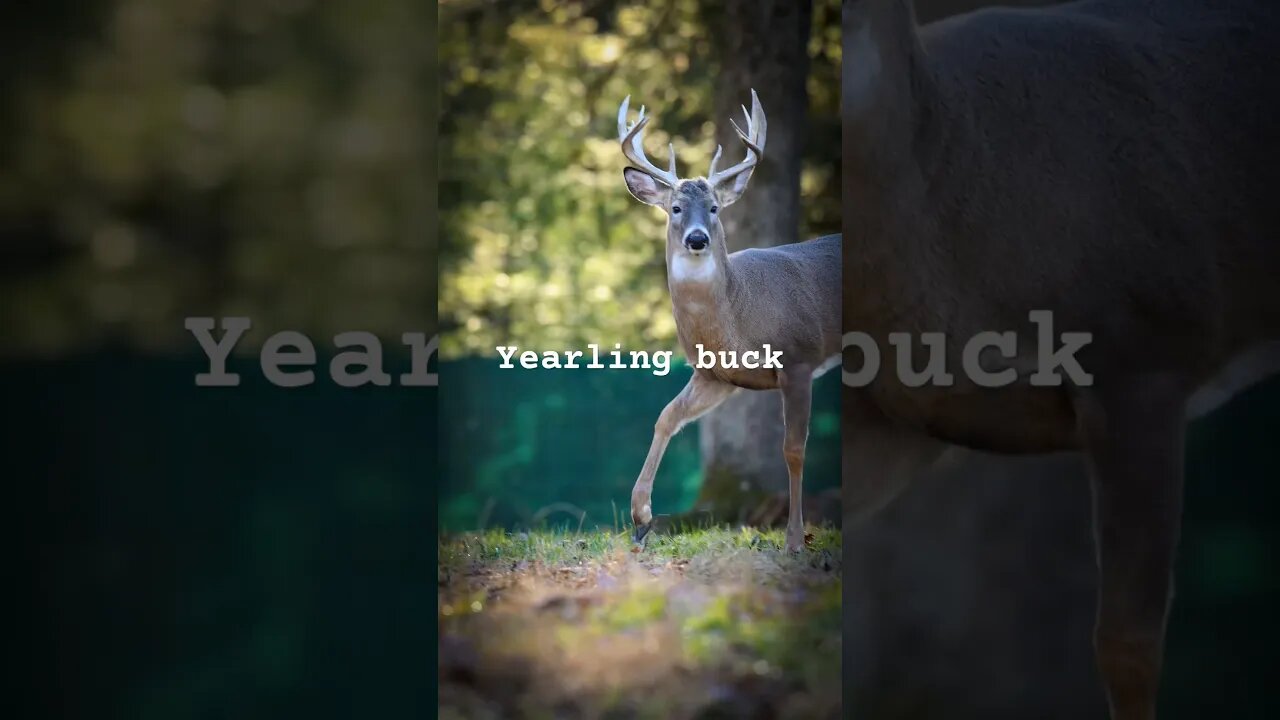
x: 675, y: 209
x: 714, y: 209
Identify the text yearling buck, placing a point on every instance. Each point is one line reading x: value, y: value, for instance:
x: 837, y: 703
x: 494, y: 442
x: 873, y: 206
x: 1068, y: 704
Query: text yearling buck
x: 1113, y: 161
x: 786, y: 297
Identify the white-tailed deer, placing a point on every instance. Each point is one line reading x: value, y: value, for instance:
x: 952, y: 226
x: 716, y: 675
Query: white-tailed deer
x: 784, y: 297
x: 1112, y: 162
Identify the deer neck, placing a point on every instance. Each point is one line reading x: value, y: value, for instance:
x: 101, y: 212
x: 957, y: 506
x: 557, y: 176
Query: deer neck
x: 701, y: 288
x: 899, y: 125
x: 890, y: 100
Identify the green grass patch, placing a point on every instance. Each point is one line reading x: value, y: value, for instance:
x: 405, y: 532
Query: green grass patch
x: 558, y: 547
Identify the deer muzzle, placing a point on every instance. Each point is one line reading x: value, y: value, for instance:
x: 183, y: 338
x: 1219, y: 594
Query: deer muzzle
x: 696, y: 241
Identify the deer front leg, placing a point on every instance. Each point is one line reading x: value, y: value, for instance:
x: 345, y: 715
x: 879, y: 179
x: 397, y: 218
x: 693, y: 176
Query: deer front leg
x: 700, y: 395
x: 796, y: 384
x: 1134, y: 439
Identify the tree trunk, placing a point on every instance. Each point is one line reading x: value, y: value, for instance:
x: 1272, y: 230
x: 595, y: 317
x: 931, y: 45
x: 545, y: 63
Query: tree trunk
x: 762, y: 45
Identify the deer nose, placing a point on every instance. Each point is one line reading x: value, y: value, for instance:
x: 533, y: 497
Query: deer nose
x: 697, y: 240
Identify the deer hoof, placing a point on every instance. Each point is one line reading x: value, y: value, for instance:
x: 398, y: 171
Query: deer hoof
x: 640, y: 532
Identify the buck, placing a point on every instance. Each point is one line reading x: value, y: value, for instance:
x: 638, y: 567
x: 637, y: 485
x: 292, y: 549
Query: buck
x: 1112, y: 162
x: 734, y: 304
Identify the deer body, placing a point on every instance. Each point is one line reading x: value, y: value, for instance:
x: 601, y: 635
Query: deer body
x: 1105, y: 160
x: 741, y: 301
x: 781, y: 297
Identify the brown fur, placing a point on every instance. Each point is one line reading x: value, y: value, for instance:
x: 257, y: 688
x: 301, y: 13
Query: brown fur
x: 1139, y: 208
x: 783, y: 297
x: 1110, y: 161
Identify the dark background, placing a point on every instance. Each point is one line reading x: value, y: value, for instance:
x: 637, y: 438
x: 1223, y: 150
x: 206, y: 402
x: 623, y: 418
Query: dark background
x: 187, y: 552
x: 193, y: 552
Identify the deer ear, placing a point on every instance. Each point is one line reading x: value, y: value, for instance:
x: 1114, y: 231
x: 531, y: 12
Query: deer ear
x: 644, y: 187
x: 730, y: 192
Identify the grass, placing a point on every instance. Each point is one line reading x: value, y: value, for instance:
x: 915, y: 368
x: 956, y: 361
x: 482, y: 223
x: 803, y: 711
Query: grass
x: 703, y: 623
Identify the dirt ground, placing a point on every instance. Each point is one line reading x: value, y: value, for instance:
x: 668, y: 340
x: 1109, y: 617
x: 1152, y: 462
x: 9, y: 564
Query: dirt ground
x: 719, y: 623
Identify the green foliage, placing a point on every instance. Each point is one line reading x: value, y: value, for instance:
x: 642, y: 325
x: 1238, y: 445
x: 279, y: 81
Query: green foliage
x: 542, y: 244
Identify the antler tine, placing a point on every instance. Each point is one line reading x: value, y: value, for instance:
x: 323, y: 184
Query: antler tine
x: 632, y: 139
x: 752, y: 148
x: 759, y: 124
x: 715, y: 159
x: 622, y: 117
x: 753, y: 138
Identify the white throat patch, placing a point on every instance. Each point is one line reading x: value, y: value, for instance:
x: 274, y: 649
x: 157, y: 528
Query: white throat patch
x: 691, y: 268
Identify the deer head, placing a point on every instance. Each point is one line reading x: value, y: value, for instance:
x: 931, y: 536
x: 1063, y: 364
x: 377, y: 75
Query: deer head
x: 692, y: 205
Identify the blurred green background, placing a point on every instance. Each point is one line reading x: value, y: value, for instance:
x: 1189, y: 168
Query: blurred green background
x: 523, y: 448
x: 163, y: 157
x: 541, y: 244
x: 543, y: 247
x: 194, y: 552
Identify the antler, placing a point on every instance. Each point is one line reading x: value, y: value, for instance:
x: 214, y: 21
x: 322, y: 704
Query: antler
x: 633, y: 146
x: 753, y: 138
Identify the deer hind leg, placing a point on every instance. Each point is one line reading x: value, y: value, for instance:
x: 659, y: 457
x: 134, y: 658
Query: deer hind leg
x: 796, y: 384
x: 700, y: 395
x: 1134, y: 439
x: 878, y: 459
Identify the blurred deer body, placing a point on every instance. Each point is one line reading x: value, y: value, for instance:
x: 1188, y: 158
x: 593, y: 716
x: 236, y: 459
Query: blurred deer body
x: 786, y: 297
x: 1107, y: 161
